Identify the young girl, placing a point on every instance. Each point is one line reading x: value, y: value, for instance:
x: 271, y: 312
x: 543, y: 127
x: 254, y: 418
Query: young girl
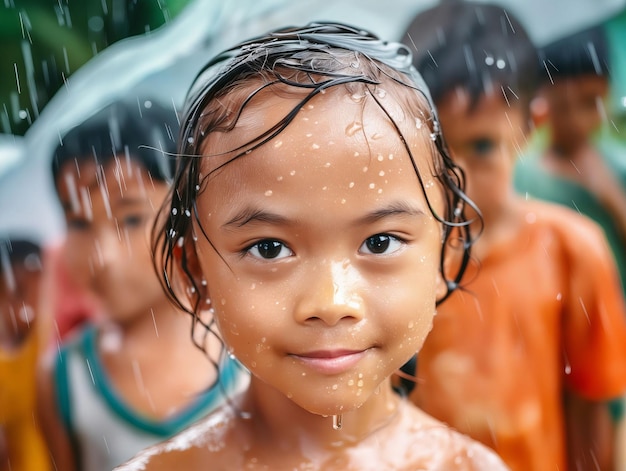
x: 312, y: 208
x: 134, y: 378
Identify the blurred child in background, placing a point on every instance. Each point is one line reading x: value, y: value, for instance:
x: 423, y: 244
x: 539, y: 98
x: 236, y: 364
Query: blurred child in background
x: 540, y: 314
x: 135, y: 377
x: 21, y: 340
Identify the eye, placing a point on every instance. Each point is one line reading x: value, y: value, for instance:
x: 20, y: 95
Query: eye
x: 269, y: 249
x: 381, y: 244
x: 483, y: 146
x: 77, y: 224
x: 133, y: 220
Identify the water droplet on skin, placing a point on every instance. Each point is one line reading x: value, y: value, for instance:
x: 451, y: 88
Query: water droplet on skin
x: 568, y: 369
x: 350, y: 382
x: 253, y: 286
x: 315, y: 146
x: 343, y: 201
x: 377, y: 136
x: 269, y: 193
x: 310, y: 106
x: 360, y: 383
x: 309, y: 134
x: 372, y: 186
x: 279, y: 178
x: 559, y: 296
x: 277, y: 144
x: 351, y: 185
x: 357, y: 97
x: 381, y: 173
x: 289, y: 395
x: 365, y: 169
x: 356, y: 154
x: 337, y: 422
x: 381, y: 93
x: 292, y: 173
x: 327, y: 164
x: 334, y: 387
x: 380, y: 191
x: 353, y: 128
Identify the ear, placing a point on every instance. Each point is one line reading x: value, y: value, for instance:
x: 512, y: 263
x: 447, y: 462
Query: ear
x: 189, y: 278
x: 441, y: 287
x: 539, y: 110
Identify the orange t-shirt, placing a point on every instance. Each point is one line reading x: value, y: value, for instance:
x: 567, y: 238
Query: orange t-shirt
x: 543, y: 312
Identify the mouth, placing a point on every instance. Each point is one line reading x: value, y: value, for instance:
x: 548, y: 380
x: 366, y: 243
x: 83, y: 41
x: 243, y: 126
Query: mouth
x: 331, y: 362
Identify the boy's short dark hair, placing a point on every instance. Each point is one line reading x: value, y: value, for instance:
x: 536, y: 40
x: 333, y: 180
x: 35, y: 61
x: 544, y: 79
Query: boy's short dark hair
x: 475, y: 46
x: 581, y: 53
x: 18, y: 252
x: 143, y: 130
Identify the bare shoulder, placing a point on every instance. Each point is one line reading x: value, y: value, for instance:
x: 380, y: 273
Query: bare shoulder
x: 205, y: 441
x: 437, y: 447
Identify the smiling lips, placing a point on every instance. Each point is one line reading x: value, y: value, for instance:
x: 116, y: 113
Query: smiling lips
x: 331, y: 362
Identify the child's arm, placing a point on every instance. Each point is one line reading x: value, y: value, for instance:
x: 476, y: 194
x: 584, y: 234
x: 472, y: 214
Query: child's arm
x: 54, y: 432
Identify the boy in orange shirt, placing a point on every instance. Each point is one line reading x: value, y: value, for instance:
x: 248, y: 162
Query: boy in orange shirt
x: 541, y: 314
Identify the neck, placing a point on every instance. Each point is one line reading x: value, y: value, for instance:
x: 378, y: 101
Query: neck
x: 280, y: 420
x: 162, y: 324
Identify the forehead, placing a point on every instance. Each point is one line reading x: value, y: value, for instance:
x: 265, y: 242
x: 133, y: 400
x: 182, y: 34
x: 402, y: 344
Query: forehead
x: 338, y: 146
x: 460, y: 114
x: 121, y: 177
x: 340, y: 115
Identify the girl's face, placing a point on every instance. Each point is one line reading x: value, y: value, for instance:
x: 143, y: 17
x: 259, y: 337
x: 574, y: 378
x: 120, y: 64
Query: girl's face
x: 324, y: 266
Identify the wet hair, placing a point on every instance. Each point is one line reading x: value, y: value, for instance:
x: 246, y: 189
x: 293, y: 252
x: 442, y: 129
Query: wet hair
x: 18, y: 251
x: 306, y: 61
x: 581, y: 53
x: 480, y: 48
x: 142, y: 130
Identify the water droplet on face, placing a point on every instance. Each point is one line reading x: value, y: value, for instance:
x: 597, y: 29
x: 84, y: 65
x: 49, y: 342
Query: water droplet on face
x: 335, y: 387
x: 315, y: 146
x: 381, y: 173
x: 372, y: 186
x: 350, y: 382
x: 269, y: 193
x: 351, y: 185
x: 292, y: 173
x: 365, y: 169
x: 381, y: 93
x: 353, y: 128
x: 277, y: 144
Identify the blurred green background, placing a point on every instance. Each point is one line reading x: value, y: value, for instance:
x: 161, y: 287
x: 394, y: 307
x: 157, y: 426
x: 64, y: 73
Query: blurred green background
x: 42, y: 42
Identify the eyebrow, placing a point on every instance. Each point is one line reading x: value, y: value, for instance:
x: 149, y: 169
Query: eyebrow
x: 67, y: 206
x: 250, y: 214
x: 395, y: 208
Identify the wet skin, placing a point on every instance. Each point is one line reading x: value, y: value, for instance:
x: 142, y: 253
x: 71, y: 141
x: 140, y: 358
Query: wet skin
x: 322, y: 269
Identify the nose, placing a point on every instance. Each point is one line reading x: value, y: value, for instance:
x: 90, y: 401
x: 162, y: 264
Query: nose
x: 332, y: 292
x: 106, y: 249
